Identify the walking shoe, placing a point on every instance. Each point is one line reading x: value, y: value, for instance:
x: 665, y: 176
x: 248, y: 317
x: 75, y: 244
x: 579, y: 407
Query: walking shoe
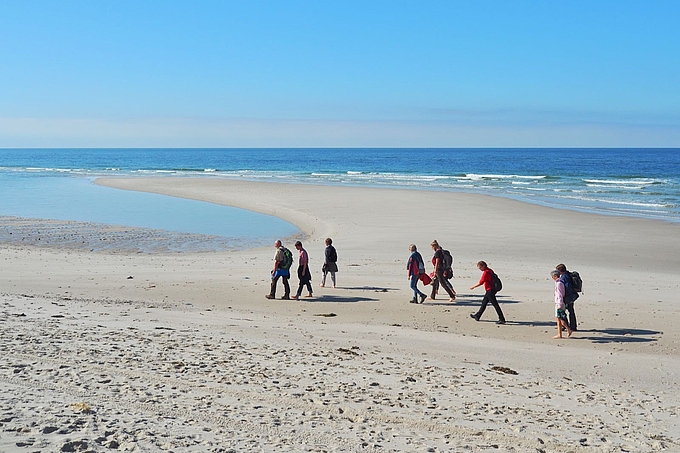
x: 500, y: 321
x: 269, y: 296
x: 474, y: 317
x: 413, y: 301
x: 310, y: 295
x: 285, y: 298
x: 422, y: 298
x: 296, y: 297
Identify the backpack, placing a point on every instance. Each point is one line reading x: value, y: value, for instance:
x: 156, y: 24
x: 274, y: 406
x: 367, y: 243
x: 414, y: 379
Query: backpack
x: 447, y: 262
x: 577, y: 283
x: 287, y: 259
x: 496, y: 283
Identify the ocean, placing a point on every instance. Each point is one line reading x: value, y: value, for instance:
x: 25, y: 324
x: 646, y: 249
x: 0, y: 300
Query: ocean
x: 626, y: 182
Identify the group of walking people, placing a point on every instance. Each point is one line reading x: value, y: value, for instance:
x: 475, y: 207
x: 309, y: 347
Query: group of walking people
x: 283, y: 260
x: 566, y: 289
x: 442, y: 262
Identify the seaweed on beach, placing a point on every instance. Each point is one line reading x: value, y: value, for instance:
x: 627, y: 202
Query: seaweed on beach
x: 503, y: 369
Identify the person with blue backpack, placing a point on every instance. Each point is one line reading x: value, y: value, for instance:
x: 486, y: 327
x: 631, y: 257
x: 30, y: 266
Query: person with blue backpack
x: 282, y: 262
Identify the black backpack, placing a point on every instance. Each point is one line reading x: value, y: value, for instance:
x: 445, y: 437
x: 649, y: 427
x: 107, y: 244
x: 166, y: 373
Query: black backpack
x: 577, y: 283
x: 496, y: 283
x: 447, y: 262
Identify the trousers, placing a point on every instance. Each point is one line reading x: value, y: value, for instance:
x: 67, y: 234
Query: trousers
x: 286, y: 287
x: 490, y: 296
x: 444, y: 282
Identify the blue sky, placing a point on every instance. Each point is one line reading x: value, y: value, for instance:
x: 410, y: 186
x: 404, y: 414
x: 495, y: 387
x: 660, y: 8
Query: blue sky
x: 365, y: 73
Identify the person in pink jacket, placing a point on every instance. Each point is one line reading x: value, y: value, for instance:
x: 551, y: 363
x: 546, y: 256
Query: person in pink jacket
x: 560, y: 313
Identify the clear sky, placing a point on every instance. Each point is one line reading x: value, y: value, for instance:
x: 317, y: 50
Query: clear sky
x: 339, y: 74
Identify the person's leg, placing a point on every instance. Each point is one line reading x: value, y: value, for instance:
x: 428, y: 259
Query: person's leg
x: 414, y: 286
x: 564, y: 323
x: 272, y: 291
x: 559, y: 328
x: 435, y: 287
x: 572, y: 315
x: 309, y: 289
x: 494, y: 302
x: 286, y: 287
x: 333, y: 278
x: 485, y: 301
x: 447, y: 286
x: 299, y: 290
x: 323, y: 278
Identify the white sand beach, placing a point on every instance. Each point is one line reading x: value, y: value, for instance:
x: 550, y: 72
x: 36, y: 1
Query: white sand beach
x: 111, y: 350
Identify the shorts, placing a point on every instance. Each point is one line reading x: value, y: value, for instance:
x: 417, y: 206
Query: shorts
x: 561, y: 314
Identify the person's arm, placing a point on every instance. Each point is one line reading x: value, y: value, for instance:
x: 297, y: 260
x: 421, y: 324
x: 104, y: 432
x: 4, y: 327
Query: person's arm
x: 561, y: 291
x: 276, y: 261
x: 481, y: 281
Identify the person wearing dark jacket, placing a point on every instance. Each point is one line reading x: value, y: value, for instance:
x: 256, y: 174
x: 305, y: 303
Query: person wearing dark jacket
x: 439, y: 273
x: 330, y: 263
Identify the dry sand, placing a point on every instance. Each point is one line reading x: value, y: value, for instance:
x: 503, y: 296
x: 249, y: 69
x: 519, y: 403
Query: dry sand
x: 116, y: 350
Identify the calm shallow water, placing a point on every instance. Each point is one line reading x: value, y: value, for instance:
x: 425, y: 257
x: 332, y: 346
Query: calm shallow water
x: 42, y: 196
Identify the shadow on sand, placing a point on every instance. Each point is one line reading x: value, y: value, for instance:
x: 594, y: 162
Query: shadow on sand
x: 618, y: 335
x: 468, y: 300
x: 339, y: 299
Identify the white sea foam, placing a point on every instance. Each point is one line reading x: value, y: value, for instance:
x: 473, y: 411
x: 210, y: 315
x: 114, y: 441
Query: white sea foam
x: 623, y: 182
x: 474, y: 176
x: 617, y: 202
x: 615, y: 186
